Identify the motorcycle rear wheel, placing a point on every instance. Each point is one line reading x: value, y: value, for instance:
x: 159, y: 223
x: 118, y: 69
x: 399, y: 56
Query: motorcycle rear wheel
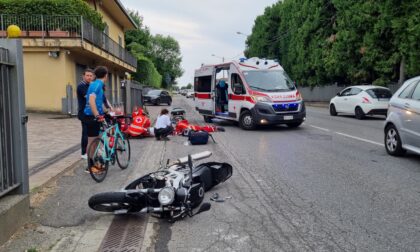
x: 113, y: 201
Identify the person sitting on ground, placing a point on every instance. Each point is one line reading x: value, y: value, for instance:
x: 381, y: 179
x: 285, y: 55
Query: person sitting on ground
x: 163, y: 126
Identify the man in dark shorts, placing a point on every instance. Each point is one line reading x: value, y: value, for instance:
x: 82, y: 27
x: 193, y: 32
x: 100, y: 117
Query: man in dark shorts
x: 94, y: 111
x: 82, y: 88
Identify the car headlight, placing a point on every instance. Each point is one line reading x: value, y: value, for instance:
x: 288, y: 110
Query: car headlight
x: 258, y: 98
x: 166, y: 196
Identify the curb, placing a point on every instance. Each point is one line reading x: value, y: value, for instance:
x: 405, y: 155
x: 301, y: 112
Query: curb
x: 317, y: 104
x: 54, y: 170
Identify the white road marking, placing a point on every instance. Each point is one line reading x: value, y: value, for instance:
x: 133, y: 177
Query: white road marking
x: 349, y: 136
x: 316, y: 127
x: 360, y: 139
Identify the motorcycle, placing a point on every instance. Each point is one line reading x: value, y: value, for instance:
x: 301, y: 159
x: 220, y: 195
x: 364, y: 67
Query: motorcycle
x: 171, y: 192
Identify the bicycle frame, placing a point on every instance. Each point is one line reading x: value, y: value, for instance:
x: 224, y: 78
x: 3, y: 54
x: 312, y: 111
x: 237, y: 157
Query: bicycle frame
x: 114, y: 131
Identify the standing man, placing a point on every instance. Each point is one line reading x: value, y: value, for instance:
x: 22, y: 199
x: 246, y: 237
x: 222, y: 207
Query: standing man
x: 94, y: 110
x: 82, y: 88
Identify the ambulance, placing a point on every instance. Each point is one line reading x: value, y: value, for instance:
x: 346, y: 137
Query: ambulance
x: 251, y: 92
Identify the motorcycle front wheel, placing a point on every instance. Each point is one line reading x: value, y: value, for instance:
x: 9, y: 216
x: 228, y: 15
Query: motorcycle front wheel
x: 113, y: 201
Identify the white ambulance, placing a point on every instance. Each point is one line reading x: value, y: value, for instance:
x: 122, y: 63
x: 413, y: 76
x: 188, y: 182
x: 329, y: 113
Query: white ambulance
x: 250, y: 91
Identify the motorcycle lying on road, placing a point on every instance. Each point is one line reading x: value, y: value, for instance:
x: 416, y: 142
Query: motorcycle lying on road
x: 171, y: 192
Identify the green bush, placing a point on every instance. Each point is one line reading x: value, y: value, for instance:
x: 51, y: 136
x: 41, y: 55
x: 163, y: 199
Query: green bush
x: 53, y: 7
x: 146, y: 73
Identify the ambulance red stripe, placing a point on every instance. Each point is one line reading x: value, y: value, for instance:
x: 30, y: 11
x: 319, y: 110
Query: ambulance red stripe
x: 202, y: 96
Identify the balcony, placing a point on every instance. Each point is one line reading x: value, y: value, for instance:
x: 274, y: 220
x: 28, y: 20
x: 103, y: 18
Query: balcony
x: 65, y: 27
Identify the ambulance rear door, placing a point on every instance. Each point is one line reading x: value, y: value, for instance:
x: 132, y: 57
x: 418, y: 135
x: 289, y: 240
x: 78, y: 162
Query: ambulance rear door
x: 204, y: 102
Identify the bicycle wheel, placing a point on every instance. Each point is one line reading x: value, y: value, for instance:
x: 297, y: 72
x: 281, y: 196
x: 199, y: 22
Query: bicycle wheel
x: 113, y: 201
x: 98, y: 167
x: 123, y: 152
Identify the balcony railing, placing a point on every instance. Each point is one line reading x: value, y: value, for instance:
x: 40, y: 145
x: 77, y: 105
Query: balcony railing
x: 45, y: 26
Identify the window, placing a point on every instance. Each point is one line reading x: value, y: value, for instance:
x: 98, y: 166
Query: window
x: 416, y: 93
x: 379, y: 93
x: 355, y: 91
x: 202, y: 84
x: 406, y: 93
x: 269, y: 81
x: 345, y: 92
x: 236, y: 79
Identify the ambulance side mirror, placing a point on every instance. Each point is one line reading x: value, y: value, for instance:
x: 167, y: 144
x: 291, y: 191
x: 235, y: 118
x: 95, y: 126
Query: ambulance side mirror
x: 237, y: 88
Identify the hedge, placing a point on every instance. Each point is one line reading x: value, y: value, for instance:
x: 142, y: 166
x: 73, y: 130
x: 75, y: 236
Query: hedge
x: 52, y: 7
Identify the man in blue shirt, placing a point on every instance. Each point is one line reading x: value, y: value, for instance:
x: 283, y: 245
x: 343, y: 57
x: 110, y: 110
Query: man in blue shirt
x: 94, y: 111
x: 82, y: 88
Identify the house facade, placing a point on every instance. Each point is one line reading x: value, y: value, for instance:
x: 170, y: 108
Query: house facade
x: 57, y: 49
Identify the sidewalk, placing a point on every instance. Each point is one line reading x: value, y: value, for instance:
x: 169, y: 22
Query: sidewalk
x: 52, y: 140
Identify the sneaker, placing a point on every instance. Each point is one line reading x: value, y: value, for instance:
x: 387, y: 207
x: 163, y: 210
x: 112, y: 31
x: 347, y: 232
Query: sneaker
x: 96, y: 170
x: 84, y: 156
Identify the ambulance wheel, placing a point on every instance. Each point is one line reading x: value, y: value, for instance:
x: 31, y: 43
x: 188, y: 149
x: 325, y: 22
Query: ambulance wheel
x: 207, y: 119
x: 246, y: 121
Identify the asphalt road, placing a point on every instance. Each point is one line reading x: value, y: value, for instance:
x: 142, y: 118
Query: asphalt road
x: 326, y: 186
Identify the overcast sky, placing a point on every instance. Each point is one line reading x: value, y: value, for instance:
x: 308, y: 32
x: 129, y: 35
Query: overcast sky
x: 202, y: 27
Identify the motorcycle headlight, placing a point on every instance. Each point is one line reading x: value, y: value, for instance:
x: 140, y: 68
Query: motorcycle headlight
x: 166, y: 196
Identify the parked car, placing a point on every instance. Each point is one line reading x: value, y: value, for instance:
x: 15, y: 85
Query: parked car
x: 184, y: 92
x: 402, y: 126
x: 361, y: 101
x: 157, y: 97
x: 190, y: 94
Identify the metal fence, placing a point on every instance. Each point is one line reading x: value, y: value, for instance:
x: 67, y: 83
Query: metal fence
x: 136, y: 94
x: 13, y: 145
x: 69, y: 26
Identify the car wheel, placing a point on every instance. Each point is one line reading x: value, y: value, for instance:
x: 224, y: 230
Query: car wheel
x: 359, y: 113
x: 393, y: 144
x: 169, y: 103
x: 333, y: 111
x: 157, y: 102
x: 246, y: 121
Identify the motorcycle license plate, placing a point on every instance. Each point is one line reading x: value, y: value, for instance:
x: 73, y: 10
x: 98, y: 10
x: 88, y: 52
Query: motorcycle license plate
x: 288, y: 117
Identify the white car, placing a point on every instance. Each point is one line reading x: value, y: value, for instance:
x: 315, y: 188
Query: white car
x: 190, y: 94
x: 361, y: 101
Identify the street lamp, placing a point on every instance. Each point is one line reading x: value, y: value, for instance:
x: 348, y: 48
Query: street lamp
x: 223, y: 58
x: 243, y: 34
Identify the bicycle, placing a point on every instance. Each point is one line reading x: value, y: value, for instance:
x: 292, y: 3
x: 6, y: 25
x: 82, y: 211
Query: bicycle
x: 110, y: 147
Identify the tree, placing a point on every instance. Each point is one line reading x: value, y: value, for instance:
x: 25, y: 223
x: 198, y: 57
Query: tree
x: 324, y: 41
x: 138, y: 42
x: 166, y: 55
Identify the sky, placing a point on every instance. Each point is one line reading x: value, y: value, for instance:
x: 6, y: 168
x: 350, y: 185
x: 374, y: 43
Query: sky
x: 202, y: 27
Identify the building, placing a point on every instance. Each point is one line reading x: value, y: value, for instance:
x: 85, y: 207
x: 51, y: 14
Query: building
x: 58, y: 48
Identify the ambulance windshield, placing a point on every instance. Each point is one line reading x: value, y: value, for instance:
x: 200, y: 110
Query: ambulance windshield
x: 269, y: 81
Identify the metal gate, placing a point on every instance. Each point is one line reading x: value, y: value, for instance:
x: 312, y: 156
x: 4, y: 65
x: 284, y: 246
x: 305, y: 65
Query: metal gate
x: 13, y: 142
x: 136, y: 94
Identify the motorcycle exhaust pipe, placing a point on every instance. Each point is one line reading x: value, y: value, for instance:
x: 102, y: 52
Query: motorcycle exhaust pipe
x: 159, y: 209
x: 195, y: 157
